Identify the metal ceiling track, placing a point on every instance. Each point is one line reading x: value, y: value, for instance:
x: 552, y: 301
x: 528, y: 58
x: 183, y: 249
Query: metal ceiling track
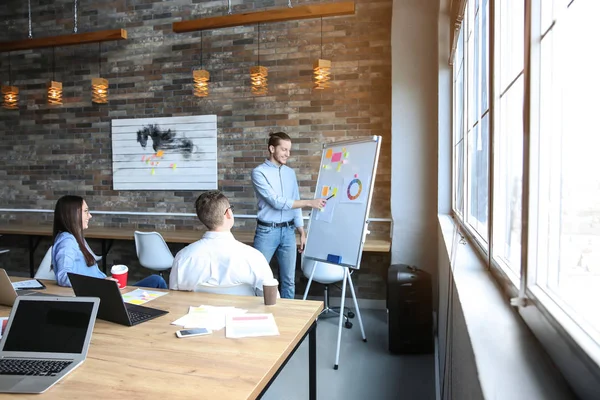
x: 64, y: 40
x: 277, y: 15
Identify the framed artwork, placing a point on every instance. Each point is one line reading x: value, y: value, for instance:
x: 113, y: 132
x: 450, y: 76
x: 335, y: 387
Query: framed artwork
x: 172, y: 153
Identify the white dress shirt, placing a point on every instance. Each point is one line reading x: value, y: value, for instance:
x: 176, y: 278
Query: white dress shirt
x: 218, y: 259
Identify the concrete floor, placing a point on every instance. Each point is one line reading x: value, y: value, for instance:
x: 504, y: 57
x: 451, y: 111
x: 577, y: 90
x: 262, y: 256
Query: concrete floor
x: 366, y: 370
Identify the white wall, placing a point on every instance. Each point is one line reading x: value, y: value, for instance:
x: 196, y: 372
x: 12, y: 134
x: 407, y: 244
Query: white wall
x: 415, y: 132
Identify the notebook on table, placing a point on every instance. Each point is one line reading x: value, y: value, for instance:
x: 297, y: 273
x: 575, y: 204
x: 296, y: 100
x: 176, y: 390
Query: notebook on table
x: 112, y: 307
x: 8, y: 294
x: 45, y: 339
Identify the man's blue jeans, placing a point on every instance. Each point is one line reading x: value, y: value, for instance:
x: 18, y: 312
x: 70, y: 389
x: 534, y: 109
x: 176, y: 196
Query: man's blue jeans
x: 282, y: 242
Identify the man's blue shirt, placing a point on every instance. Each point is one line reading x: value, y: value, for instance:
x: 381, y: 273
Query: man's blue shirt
x: 276, y: 188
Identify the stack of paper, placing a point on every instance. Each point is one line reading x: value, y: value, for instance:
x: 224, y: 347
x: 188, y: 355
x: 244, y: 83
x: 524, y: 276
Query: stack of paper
x: 209, y: 317
x: 251, y: 325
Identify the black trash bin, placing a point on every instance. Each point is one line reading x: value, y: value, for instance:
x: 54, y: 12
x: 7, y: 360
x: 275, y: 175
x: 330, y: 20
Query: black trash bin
x: 409, y: 305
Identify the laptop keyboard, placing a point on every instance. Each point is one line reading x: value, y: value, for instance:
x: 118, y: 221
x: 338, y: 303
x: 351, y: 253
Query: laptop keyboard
x: 135, y: 316
x: 32, y: 367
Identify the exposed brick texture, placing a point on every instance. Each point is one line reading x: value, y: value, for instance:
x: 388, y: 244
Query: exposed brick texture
x: 48, y: 151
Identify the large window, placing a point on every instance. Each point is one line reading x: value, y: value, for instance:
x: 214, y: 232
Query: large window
x: 471, y: 150
x: 540, y: 129
x: 566, y: 178
x: 508, y: 137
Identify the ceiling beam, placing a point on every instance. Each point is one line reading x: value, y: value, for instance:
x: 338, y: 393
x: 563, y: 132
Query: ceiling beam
x: 64, y: 40
x: 282, y: 14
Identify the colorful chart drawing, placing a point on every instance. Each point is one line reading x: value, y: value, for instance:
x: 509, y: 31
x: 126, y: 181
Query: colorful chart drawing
x: 329, y: 153
x: 325, y: 191
x: 354, y: 189
x: 336, y: 157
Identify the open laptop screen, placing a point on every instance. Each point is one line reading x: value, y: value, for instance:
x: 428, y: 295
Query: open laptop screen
x: 49, y: 326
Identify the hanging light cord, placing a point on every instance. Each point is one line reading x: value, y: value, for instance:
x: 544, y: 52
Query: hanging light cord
x: 321, y: 37
x: 29, y: 11
x: 9, y: 72
x: 99, y: 61
x: 201, y: 50
x: 259, y: 43
x: 75, y: 16
x: 53, y: 59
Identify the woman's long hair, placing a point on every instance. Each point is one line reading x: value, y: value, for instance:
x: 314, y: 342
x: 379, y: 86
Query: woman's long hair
x: 67, y: 218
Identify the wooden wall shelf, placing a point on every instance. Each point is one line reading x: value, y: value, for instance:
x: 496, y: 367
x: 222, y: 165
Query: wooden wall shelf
x: 64, y: 40
x: 283, y: 14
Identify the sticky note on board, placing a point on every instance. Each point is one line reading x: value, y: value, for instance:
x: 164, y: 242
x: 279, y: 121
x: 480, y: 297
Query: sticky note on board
x: 336, y: 157
x: 346, y: 154
x: 152, y: 172
x: 335, y: 191
x: 344, y: 161
x: 329, y: 153
x: 160, y: 153
x: 339, y: 167
x: 325, y: 190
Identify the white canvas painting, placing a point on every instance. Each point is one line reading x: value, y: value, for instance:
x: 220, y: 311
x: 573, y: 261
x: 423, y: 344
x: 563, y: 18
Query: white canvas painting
x: 174, y: 153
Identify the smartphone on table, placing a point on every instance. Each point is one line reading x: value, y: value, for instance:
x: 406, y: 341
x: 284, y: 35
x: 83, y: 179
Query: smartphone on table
x: 192, y: 332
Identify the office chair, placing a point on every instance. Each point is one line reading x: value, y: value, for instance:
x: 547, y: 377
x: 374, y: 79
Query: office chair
x: 152, y: 251
x: 326, y: 274
x: 239, y: 290
x: 44, y: 271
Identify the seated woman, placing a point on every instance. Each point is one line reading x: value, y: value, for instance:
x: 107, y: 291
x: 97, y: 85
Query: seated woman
x: 70, y: 251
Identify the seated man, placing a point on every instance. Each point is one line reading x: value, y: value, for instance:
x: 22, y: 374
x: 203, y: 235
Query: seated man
x: 218, y: 259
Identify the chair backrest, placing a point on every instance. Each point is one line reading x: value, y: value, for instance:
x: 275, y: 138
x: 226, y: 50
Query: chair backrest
x: 44, y: 271
x: 238, y: 290
x: 324, y: 273
x: 152, y: 251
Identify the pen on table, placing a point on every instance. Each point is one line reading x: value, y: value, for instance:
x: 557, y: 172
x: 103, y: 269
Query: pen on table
x: 330, y: 197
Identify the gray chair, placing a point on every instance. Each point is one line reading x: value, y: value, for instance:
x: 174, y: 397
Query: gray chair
x: 152, y: 251
x: 44, y: 271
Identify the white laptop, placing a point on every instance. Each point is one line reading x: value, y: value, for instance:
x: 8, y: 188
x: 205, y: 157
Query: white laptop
x: 45, y: 339
x: 8, y: 294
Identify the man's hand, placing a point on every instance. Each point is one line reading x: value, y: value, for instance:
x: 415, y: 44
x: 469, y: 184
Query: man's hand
x: 318, y: 203
x: 302, y: 240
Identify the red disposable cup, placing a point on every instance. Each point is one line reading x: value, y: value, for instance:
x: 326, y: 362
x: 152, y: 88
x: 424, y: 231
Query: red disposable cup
x: 119, y: 272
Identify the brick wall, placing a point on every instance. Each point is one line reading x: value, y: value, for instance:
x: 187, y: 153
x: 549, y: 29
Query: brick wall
x: 48, y: 151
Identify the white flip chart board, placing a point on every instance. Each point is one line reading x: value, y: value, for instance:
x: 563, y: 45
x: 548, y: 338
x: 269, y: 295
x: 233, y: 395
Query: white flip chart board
x: 336, y: 234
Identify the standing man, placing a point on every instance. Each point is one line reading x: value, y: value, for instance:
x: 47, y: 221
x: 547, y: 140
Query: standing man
x: 279, y: 211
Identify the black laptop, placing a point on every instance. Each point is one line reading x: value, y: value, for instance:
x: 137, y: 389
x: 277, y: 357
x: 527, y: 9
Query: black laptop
x: 112, y: 308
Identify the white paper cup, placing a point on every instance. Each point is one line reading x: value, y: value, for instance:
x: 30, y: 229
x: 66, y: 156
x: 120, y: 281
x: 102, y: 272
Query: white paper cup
x: 270, y: 291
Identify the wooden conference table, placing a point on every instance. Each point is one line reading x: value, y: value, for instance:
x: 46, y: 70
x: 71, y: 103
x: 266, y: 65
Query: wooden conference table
x: 149, y: 361
x: 107, y: 235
